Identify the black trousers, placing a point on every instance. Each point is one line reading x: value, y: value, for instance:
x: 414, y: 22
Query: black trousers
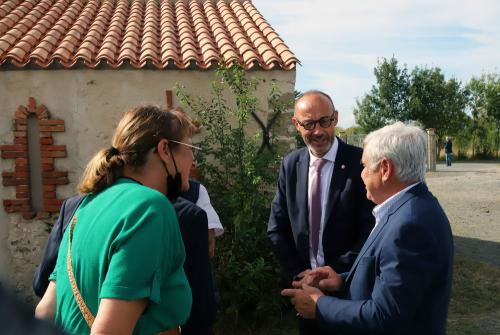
x: 310, y: 327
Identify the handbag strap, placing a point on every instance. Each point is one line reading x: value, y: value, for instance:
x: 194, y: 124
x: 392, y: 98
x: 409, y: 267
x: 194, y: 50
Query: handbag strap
x: 87, y: 314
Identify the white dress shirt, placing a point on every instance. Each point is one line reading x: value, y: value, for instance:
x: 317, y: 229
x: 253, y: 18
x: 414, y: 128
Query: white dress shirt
x: 381, y: 211
x: 326, y: 178
x: 213, y: 219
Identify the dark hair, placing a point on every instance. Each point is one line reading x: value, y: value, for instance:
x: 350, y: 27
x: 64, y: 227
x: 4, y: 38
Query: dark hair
x: 139, y: 130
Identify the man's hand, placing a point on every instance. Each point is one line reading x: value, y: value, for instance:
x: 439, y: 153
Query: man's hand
x: 300, y: 279
x: 326, y: 279
x: 211, y: 243
x: 304, y: 300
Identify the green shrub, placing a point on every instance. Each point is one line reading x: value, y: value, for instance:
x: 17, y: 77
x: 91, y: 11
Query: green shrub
x: 240, y: 177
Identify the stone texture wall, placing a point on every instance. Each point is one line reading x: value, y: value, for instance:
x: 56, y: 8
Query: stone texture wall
x: 90, y: 102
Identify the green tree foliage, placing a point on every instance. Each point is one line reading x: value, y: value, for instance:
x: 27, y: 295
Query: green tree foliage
x: 436, y: 102
x: 240, y: 181
x: 388, y: 99
x: 485, y: 107
x: 424, y: 95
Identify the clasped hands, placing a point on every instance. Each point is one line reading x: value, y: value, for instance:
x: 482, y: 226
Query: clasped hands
x: 310, y: 286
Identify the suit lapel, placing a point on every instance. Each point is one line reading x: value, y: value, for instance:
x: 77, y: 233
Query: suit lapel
x: 418, y: 189
x: 339, y: 176
x: 372, y: 238
x: 302, y: 179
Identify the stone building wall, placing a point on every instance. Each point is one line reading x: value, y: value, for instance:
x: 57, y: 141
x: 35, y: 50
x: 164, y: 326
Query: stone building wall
x: 90, y: 102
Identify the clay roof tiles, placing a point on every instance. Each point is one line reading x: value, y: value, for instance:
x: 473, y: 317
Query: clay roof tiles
x: 162, y: 33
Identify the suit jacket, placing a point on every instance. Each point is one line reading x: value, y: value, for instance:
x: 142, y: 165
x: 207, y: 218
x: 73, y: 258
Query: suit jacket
x: 194, y: 229
x: 348, y: 217
x: 49, y: 258
x: 401, y: 281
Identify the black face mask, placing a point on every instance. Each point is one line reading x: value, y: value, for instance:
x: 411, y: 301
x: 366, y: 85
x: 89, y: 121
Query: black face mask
x: 174, y: 183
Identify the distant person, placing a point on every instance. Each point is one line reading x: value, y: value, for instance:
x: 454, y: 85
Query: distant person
x: 120, y: 263
x: 320, y: 215
x: 401, y: 280
x: 448, y: 150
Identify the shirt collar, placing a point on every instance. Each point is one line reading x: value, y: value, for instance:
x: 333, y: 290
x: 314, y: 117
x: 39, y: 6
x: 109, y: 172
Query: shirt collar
x: 329, y: 156
x: 384, y: 207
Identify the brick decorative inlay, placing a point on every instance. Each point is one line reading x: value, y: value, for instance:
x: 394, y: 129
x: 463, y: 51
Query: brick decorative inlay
x: 18, y: 151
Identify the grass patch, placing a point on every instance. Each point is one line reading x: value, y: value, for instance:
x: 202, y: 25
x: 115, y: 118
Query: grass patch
x: 475, y: 299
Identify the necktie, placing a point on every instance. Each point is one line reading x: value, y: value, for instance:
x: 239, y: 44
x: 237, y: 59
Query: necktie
x: 315, y: 224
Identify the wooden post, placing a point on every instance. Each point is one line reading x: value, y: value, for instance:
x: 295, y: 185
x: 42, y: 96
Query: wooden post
x: 170, y: 103
x: 431, y: 149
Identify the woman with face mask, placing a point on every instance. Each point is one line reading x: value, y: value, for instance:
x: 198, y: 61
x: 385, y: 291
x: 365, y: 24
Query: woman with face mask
x: 120, y: 264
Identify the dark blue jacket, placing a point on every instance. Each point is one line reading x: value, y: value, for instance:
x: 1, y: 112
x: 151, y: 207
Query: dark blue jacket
x: 348, y: 217
x: 401, y: 281
x: 194, y: 229
x: 49, y: 259
x: 193, y: 193
x: 448, y: 147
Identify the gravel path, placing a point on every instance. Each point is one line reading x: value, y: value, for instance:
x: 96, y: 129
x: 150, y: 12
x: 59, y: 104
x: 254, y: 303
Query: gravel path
x: 470, y: 196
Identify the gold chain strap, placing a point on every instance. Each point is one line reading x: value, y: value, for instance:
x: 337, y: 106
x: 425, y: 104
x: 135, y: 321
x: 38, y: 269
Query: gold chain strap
x: 87, y: 314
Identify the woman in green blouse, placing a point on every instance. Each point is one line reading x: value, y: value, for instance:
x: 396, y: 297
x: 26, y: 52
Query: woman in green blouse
x: 120, y: 263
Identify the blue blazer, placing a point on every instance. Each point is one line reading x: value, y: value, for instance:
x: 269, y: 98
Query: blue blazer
x: 401, y: 281
x: 348, y: 215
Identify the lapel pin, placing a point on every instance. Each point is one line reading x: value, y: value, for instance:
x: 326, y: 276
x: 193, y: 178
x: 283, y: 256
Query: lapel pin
x: 342, y: 166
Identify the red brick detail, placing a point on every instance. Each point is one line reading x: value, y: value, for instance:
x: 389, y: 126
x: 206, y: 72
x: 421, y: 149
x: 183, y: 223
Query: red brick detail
x: 22, y: 113
x: 59, y: 127
x: 20, y: 177
x: 20, y: 140
x: 170, y: 101
x: 46, y: 140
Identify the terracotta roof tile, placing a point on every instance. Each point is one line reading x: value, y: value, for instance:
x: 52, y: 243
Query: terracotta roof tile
x: 162, y: 33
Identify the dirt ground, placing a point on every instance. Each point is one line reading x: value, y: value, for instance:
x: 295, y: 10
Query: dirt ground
x: 470, y: 196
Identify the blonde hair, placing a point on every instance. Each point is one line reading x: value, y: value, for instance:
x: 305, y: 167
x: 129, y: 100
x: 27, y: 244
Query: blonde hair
x: 139, y: 130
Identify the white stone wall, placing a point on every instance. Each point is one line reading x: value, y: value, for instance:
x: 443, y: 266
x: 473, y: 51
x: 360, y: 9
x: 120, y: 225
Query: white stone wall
x: 90, y: 102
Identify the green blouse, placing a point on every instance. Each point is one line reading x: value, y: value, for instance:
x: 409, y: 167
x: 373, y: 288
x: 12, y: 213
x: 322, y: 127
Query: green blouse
x: 126, y: 245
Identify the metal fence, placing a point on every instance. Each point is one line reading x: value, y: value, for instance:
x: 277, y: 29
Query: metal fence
x: 432, y: 150
x: 356, y: 139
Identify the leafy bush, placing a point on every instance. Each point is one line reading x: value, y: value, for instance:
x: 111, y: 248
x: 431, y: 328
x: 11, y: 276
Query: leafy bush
x: 241, y: 178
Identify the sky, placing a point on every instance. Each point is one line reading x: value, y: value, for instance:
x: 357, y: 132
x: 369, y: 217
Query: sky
x: 339, y: 42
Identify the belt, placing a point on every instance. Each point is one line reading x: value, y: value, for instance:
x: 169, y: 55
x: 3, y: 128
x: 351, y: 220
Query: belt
x: 173, y: 331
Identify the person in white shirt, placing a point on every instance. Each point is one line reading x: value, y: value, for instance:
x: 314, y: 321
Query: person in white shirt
x: 215, y: 228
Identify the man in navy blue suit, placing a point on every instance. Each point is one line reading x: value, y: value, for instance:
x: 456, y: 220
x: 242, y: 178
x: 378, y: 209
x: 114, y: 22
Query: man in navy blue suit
x: 320, y: 215
x: 401, y: 280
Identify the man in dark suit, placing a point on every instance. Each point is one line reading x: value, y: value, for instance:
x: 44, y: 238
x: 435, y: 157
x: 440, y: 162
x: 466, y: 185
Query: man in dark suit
x: 319, y: 215
x: 401, y: 280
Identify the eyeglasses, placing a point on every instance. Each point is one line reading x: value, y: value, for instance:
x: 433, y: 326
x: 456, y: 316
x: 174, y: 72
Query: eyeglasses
x: 187, y: 145
x: 324, y: 122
